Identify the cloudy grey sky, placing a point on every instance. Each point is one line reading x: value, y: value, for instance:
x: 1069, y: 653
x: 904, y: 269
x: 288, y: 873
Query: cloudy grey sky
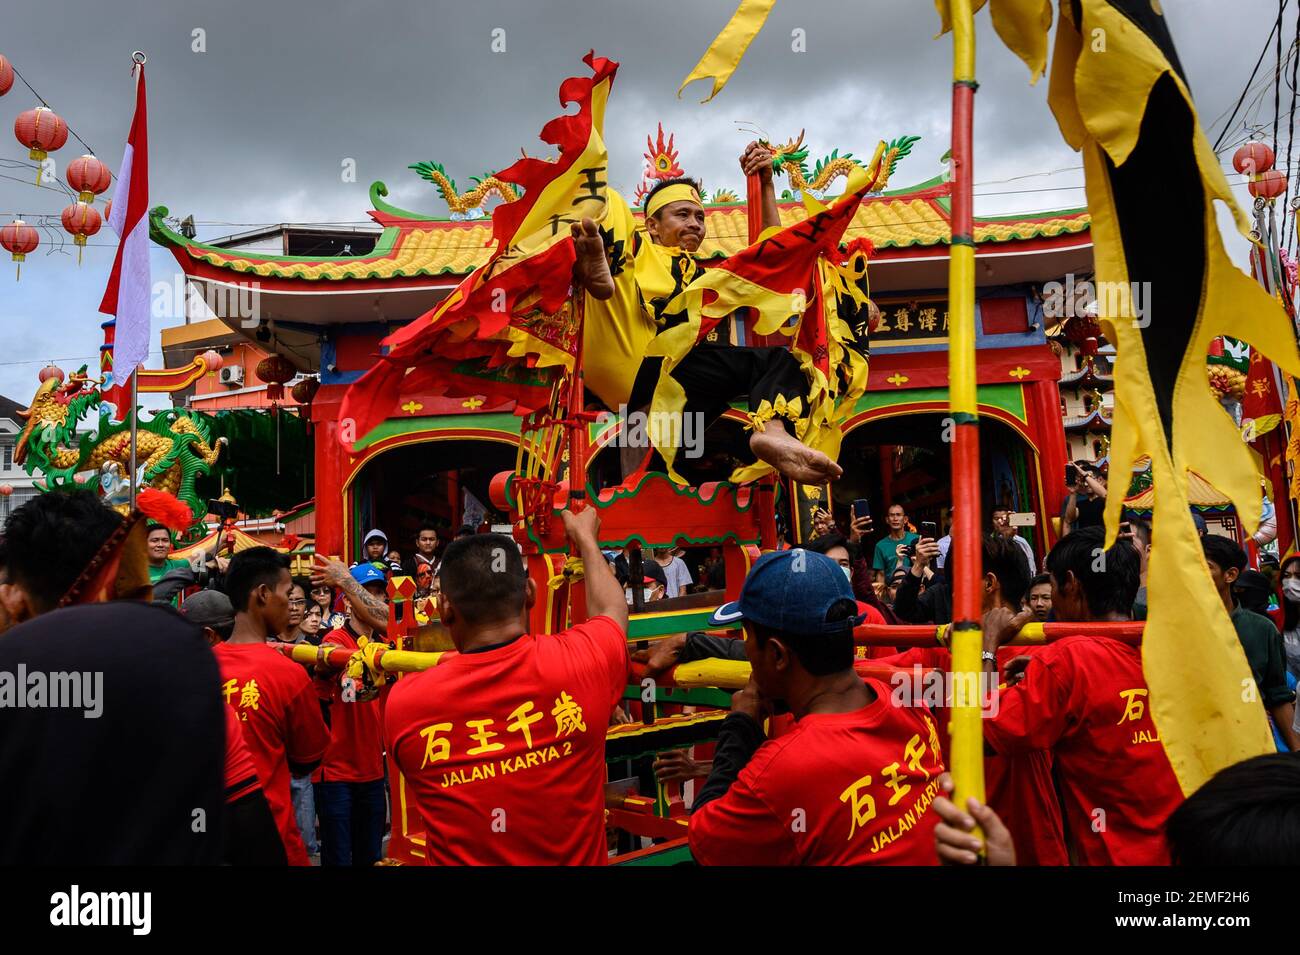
x: 255, y: 128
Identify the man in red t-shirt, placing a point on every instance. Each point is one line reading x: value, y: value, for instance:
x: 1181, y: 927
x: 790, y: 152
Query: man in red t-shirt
x: 502, y: 744
x: 1019, y: 786
x: 349, y: 786
x: 252, y: 834
x: 276, y: 702
x: 852, y: 782
x: 1086, y: 699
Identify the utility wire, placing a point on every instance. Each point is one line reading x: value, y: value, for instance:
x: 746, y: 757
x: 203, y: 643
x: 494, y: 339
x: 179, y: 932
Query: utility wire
x: 1277, y: 28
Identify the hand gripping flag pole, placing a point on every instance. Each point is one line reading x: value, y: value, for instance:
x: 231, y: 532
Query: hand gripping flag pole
x: 967, y: 747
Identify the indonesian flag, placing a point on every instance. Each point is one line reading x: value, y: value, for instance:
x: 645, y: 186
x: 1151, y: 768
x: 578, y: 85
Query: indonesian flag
x: 127, y: 295
x: 506, y: 330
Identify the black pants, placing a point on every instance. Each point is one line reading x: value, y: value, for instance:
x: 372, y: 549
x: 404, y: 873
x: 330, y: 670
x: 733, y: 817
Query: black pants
x: 713, y: 376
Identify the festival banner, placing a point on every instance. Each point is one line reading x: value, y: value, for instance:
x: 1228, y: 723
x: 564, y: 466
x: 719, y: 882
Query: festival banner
x: 1127, y: 106
x: 510, y: 320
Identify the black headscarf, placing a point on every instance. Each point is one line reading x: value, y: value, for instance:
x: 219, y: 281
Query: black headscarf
x: 142, y: 784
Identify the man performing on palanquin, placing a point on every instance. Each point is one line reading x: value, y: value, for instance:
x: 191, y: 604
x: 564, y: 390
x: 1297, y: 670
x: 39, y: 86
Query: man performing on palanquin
x: 653, y: 315
x: 624, y: 319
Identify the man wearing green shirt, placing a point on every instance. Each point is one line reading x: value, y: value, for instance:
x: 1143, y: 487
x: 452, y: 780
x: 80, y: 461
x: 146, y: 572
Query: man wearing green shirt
x: 886, y: 559
x: 160, y: 545
x: 1259, y: 638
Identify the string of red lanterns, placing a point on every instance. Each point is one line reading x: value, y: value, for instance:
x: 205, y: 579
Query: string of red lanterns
x: 42, y: 131
x: 1255, y: 159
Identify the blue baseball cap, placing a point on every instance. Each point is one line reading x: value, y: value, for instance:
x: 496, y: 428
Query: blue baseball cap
x: 368, y: 574
x: 790, y: 591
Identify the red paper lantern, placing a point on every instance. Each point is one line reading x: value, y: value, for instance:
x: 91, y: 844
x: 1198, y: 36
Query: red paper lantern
x: 275, y: 370
x: 51, y: 371
x: 1268, y: 185
x: 42, y: 131
x: 1253, y: 158
x: 304, y: 391
x: 6, y: 75
x: 81, y: 220
x: 213, y: 360
x: 89, y: 177
x: 6, y: 490
x: 18, y: 238
x: 108, y: 209
x: 1083, y: 330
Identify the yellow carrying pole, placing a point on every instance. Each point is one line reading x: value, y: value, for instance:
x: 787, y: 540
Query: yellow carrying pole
x: 390, y: 661
x: 967, y: 740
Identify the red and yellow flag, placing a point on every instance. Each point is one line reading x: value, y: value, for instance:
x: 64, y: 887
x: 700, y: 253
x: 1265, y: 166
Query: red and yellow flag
x: 507, y: 328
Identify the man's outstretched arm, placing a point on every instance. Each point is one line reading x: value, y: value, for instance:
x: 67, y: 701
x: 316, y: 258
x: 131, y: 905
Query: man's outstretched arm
x: 372, y: 611
x: 604, y: 592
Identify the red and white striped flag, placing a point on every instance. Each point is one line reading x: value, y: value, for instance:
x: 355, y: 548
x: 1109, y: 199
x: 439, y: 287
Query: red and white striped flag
x: 127, y: 294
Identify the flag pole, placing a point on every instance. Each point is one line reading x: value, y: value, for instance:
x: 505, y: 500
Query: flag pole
x: 135, y: 386
x: 967, y: 744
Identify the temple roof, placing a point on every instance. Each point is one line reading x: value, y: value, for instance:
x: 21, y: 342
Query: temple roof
x: 415, y: 247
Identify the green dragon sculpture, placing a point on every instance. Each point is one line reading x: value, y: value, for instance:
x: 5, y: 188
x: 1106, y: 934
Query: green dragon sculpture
x: 791, y: 158
x: 174, y: 447
x: 467, y: 204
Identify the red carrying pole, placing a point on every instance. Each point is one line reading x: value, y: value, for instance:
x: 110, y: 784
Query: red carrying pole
x: 575, y: 421
x: 754, y: 206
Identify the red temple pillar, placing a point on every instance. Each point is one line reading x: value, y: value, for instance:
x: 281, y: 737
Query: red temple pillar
x: 331, y: 464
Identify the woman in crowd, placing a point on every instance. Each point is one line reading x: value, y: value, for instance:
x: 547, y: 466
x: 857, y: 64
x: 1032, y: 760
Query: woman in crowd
x: 322, y: 595
x: 309, y: 630
x: 1291, y: 614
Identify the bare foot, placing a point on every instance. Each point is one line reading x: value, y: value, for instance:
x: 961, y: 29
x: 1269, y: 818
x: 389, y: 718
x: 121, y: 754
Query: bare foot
x: 592, y: 266
x: 792, y: 458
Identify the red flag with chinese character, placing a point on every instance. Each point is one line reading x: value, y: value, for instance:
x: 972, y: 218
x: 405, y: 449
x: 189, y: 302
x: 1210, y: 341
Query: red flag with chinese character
x: 507, y: 329
x: 1261, y: 405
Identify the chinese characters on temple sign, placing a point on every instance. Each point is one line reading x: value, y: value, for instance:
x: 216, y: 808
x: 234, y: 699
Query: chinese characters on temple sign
x: 907, y: 321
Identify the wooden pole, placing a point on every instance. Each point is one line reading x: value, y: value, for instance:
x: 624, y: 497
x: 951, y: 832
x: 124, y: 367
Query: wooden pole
x: 576, y: 425
x: 135, y: 419
x: 967, y: 749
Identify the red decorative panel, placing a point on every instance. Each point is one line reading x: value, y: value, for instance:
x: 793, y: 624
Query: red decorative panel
x: 1003, y: 316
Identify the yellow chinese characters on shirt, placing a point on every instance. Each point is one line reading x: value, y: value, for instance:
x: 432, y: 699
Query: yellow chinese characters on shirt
x: 890, y: 785
x: 1135, y: 708
x: 518, y: 724
x: 249, y: 696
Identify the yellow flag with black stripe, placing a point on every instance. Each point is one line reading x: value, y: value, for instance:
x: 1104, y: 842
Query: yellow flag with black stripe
x: 1166, y: 289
